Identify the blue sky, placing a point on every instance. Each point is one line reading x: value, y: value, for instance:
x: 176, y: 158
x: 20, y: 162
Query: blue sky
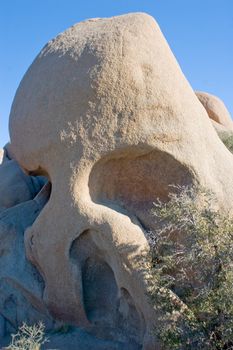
x: 200, y: 33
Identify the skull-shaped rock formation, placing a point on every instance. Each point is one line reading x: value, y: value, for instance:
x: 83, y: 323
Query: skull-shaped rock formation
x: 106, y: 114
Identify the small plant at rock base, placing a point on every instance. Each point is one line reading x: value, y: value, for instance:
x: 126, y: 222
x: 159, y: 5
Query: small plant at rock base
x: 191, y: 263
x: 28, y: 338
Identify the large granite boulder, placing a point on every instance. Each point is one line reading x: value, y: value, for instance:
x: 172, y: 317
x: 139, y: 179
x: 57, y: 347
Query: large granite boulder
x: 106, y: 114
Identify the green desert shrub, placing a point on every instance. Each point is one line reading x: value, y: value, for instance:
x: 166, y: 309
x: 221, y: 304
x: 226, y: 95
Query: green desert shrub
x: 227, y: 139
x: 191, y: 263
x: 28, y: 338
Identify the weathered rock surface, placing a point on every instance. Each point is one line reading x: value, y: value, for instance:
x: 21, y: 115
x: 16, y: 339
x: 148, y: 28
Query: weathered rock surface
x: 76, y: 339
x: 21, y: 286
x: 216, y: 110
x: 15, y: 186
x: 105, y: 112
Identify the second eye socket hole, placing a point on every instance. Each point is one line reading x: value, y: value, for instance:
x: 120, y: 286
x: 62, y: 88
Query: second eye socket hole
x: 133, y: 180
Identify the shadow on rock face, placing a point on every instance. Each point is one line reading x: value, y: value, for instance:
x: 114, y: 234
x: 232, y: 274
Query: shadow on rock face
x: 111, y: 310
x: 132, y: 180
x: 21, y: 286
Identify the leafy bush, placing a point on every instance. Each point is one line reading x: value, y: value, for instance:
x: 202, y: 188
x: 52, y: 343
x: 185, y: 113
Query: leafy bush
x: 191, y: 264
x: 227, y: 139
x: 28, y: 338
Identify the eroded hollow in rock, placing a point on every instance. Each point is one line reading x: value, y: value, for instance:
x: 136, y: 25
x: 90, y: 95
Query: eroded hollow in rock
x: 131, y: 180
x: 109, y: 307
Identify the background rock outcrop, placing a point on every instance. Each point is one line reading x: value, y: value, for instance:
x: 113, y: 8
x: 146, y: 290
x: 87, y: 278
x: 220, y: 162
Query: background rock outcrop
x: 216, y: 110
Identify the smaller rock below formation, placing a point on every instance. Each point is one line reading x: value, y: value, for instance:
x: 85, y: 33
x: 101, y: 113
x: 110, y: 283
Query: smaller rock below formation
x: 15, y: 186
x: 216, y: 110
x: 22, y: 197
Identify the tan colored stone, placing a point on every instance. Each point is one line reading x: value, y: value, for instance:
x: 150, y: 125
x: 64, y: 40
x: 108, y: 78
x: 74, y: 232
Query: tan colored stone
x: 1, y: 155
x: 216, y: 109
x: 107, y: 114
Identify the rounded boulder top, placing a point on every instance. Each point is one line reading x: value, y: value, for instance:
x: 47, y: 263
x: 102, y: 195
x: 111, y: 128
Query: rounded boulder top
x: 99, y: 80
x: 216, y: 109
x: 104, y: 85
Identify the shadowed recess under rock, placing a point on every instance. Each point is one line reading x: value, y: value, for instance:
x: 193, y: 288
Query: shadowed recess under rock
x: 110, y: 309
x: 132, y: 180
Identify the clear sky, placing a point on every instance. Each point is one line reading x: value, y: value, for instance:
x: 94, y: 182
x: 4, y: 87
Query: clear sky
x: 200, y: 33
